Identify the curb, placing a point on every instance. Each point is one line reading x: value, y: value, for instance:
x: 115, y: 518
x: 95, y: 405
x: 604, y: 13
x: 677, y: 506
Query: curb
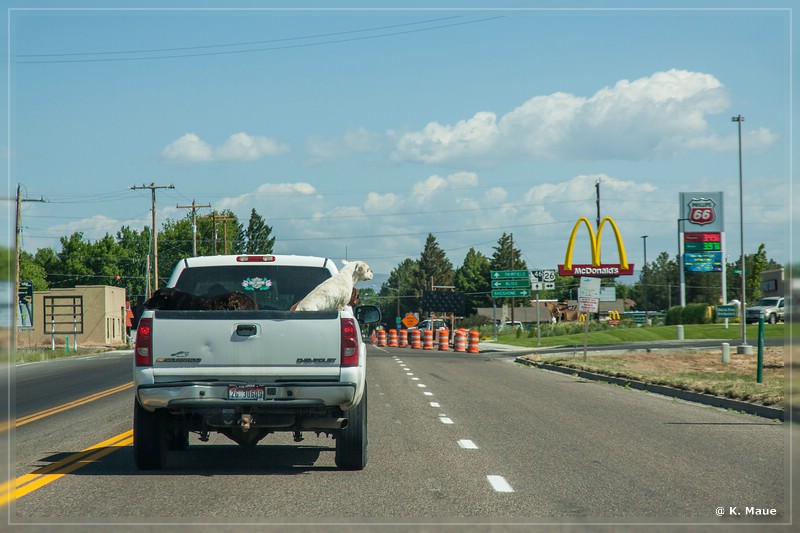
x: 697, y: 397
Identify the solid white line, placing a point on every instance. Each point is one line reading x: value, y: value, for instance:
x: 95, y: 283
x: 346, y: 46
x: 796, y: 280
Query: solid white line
x: 467, y: 444
x: 499, y: 484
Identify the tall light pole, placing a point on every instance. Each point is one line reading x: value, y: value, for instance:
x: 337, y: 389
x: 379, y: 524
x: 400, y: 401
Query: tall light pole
x: 644, y: 278
x: 744, y: 348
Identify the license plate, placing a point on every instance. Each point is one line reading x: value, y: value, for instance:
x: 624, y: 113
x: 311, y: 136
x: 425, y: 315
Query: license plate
x: 245, y: 392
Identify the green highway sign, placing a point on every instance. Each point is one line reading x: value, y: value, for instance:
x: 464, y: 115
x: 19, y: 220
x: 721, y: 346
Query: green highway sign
x: 509, y: 274
x: 510, y: 293
x: 511, y: 283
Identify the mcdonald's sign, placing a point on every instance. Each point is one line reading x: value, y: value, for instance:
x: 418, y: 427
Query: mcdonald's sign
x: 596, y: 269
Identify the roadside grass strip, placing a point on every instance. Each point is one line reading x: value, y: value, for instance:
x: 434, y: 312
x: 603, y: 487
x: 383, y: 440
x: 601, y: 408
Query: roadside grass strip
x: 47, y: 474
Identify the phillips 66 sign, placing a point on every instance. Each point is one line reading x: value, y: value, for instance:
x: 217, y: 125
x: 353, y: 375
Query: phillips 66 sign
x: 702, y: 211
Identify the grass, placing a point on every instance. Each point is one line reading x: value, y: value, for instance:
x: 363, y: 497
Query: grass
x: 611, y: 334
x: 694, y: 370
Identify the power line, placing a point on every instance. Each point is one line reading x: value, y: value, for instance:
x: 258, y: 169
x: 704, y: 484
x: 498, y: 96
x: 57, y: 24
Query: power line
x: 267, y: 49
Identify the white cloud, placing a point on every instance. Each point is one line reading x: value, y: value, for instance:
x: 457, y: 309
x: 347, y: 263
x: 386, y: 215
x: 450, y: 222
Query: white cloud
x: 652, y: 117
x: 190, y: 148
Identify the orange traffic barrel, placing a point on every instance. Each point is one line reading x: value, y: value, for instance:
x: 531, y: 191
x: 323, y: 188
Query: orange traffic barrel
x: 460, y: 340
x: 374, y: 338
x: 427, y: 339
x: 402, y: 338
x: 444, y: 340
x: 393, y: 338
x: 416, y: 341
x: 474, y: 338
x: 381, y: 337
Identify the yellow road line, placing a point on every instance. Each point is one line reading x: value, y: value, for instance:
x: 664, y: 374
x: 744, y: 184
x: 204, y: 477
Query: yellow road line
x: 81, y: 401
x: 47, y: 474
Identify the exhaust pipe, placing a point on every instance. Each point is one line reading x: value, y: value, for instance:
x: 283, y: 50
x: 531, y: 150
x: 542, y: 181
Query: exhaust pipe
x: 324, y: 423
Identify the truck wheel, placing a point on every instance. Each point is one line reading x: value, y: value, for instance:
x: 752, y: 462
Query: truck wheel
x: 149, y: 438
x: 773, y: 318
x: 351, y: 442
x: 178, y: 439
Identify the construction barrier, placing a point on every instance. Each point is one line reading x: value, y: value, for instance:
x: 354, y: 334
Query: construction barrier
x: 393, y: 338
x: 474, y: 338
x: 416, y: 339
x: 460, y: 341
x: 381, y: 337
x: 427, y: 339
x: 444, y: 340
x: 402, y: 338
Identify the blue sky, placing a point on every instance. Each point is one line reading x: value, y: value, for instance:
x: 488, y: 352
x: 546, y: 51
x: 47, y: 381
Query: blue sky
x: 356, y: 132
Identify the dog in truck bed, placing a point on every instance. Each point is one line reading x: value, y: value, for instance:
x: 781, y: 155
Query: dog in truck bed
x: 337, y: 291
x: 175, y: 300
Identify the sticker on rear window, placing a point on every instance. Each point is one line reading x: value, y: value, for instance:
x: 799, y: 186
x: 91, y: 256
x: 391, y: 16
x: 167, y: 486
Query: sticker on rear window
x: 257, y: 284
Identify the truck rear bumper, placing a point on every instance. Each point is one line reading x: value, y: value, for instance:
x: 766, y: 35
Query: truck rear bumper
x: 280, y: 397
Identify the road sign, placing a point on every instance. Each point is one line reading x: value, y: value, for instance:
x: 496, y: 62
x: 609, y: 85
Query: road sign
x: 548, y: 275
x: 727, y: 311
x: 511, y: 283
x: 509, y: 274
x: 588, y: 305
x: 511, y: 293
x: 542, y: 285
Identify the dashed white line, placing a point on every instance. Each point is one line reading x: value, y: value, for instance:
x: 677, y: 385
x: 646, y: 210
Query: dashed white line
x: 444, y: 419
x: 435, y: 404
x: 467, y: 444
x: 499, y: 484
x: 421, y: 385
x: 428, y: 393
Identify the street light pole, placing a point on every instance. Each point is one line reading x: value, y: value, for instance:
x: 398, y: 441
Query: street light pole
x: 744, y: 348
x: 644, y: 277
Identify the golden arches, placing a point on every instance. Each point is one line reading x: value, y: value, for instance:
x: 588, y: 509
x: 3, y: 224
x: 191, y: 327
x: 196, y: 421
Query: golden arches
x: 595, y: 242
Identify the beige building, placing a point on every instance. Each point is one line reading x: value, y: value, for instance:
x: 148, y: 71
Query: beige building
x: 95, y: 314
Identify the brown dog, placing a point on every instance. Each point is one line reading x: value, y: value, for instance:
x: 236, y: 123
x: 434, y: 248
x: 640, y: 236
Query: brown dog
x: 174, y: 300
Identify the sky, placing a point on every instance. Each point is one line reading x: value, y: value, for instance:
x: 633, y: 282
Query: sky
x: 355, y: 132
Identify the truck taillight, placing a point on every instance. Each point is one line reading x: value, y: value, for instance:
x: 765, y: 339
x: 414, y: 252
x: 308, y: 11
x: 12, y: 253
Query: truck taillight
x: 349, y: 356
x: 144, y: 343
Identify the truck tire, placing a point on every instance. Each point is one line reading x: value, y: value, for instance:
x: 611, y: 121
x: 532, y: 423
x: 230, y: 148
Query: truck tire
x: 351, y: 442
x: 773, y: 318
x: 149, y: 438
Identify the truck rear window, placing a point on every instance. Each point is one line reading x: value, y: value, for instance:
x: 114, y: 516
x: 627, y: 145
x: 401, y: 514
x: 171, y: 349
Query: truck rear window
x: 271, y: 286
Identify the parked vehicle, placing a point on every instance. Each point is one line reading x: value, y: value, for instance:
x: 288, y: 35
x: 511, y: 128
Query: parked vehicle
x: 771, y: 306
x: 248, y: 373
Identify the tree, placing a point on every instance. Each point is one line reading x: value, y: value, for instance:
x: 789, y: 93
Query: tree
x: 400, y: 290
x: 434, y: 267
x: 257, y: 235
x: 472, y: 277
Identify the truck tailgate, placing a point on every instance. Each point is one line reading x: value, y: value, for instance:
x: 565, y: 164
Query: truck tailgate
x: 251, y: 344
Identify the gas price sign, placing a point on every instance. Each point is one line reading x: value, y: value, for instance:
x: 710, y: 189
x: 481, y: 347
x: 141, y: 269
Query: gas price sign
x: 702, y: 242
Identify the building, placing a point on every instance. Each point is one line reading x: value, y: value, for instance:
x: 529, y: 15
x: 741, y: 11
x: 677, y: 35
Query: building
x: 772, y: 283
x: 95, y: 315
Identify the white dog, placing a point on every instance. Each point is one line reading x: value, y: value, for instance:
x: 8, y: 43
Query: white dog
x: 336, y: 292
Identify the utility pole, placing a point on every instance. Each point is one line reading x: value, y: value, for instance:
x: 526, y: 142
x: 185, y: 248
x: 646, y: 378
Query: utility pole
x: 194, y: 207
x: 214, y: 219
x: 18, y: 248
x: 153, y: 188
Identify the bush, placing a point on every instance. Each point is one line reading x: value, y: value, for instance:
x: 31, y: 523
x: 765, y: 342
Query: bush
x: 690, y: 314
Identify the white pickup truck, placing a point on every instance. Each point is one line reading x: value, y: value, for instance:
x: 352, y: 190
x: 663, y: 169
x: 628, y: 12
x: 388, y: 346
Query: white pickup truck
x: 248, y: 373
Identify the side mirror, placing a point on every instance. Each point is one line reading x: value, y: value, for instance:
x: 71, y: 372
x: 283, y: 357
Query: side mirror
x: 367, y: 314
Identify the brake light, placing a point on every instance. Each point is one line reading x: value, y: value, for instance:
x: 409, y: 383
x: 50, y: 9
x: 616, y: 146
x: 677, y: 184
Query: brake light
x: 255, y: 258
x: 144, y: 343
x: 349, y: 355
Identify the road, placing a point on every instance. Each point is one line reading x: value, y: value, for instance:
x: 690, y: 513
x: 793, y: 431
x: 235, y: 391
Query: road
x: 460, y: 438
